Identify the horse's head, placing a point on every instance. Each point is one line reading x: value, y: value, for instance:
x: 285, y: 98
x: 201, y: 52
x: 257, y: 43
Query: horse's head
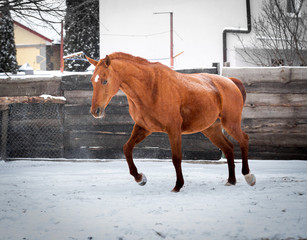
x: 105, y: 85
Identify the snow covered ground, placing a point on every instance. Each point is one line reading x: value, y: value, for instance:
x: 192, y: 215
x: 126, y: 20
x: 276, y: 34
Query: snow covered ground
x: 99, y: 200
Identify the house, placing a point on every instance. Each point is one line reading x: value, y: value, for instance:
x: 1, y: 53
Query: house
x: 35, y: 49
x: 204, y: 31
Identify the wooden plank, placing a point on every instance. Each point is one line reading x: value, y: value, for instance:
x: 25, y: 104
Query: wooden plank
x: 212, y: 70
x: 117, y: 140
x: 100, y: 153
x: 87, y: 153
x: 274, y: 87
x: 80, y: 97
x: 33, y: 87
x: 279, y: 139
x: 84, y: 97
x: 262, y: 99
x: 77, y: 82
x: 91, y: 138
x: 277, y: 153
x: 276, y: 125
x: 114, y: 128
x: 31, y: 99
x: 275, y: 140
x: 85, y: 109
x: 84, y: 120
x: 274, y: 112
x: 273, y: 153
x: 266, y: 74
x: 270, y: 80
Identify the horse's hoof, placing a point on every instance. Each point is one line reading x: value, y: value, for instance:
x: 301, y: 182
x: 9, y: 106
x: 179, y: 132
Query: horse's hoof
x: 229, y: 184
x: 250, y: 179
x: 143, y: 180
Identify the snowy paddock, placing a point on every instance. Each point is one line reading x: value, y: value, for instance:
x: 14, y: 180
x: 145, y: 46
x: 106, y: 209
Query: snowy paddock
x: 100, y: 200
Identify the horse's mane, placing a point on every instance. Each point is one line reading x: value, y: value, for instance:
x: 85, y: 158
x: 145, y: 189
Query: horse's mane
x: 126, y: 56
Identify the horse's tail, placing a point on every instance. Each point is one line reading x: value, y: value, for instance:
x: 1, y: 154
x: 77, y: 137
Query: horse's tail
x: 240, y: 86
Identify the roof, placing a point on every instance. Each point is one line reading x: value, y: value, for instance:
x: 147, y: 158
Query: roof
x: 32, y: 31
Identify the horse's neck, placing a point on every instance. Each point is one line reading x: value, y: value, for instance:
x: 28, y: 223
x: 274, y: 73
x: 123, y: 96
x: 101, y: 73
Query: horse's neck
x: 134, y: 79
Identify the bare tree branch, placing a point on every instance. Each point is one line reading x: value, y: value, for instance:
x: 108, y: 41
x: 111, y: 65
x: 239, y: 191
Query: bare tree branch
x: 280, y: 37
x: 37, y: 12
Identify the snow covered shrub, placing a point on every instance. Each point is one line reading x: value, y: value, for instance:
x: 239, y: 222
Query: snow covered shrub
x: 82, y: 32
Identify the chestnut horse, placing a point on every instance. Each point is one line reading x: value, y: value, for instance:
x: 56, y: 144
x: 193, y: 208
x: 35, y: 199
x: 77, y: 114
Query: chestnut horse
x: 162, y: 100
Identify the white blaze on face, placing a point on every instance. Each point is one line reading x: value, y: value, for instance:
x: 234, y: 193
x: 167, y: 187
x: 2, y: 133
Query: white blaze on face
x: 96, y: 78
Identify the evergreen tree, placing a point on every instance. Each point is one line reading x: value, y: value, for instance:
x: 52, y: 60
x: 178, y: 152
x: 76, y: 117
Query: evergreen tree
x: 8, y: 61
x: 31, y: 11
x: 81, y: 32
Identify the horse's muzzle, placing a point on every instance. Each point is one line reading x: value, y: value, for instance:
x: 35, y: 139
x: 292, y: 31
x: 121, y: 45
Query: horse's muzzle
x: 98, y: 112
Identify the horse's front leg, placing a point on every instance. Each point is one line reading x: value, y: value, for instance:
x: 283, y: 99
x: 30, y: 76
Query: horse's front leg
x: 138, y: 134
x: 175, y: 141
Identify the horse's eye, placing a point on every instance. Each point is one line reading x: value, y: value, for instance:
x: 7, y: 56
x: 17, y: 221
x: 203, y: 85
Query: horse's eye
x: 104, y: 82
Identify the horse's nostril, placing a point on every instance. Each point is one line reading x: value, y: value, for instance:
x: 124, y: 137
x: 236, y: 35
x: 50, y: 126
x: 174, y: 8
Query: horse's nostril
x: 97, y: 111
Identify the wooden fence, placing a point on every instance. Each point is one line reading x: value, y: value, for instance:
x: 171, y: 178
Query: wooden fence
x: 82, y: 135
x: 31, y: 126
x: 274, y: 116
x: 275, y: 113
x: 87, y: 137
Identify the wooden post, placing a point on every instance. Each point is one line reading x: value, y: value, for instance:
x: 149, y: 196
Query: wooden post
x: 5, y: 118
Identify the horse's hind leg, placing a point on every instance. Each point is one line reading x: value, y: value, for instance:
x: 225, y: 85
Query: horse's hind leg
x: 138, y: 134
x: 233, y: 128
x: 216, y: 136
x: 175, y: 141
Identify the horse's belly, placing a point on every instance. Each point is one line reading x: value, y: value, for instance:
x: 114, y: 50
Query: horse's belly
x: 149, y: 121
x: 198, y: 120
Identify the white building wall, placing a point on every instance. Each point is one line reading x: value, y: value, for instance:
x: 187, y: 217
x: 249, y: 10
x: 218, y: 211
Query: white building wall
x: 233, y: 44
x: 131, y: 26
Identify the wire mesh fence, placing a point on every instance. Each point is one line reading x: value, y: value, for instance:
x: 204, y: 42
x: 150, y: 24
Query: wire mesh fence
x: 33, y: 130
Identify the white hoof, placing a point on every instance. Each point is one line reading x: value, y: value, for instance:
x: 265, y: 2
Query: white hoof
x: 250, y: 179
x: 143, y: 180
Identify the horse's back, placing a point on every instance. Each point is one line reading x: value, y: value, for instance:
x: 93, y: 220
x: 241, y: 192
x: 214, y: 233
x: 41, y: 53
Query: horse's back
x: 232, y: 97
x: 231, y: 92
x: 230, y: 89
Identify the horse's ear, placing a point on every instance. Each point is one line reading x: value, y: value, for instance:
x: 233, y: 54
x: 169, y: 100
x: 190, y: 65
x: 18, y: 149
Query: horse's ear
x: 107, y: 61
x: 91, y: 61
